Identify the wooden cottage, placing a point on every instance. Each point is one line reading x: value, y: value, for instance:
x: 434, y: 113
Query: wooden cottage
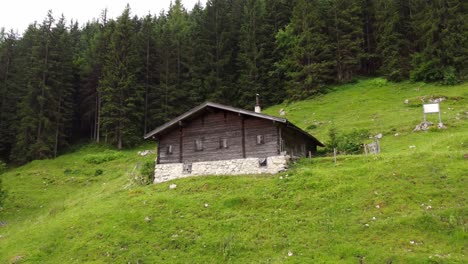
x: 214, y: 139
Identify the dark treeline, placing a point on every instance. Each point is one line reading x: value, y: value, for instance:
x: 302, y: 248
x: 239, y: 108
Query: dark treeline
x: 112, y: 80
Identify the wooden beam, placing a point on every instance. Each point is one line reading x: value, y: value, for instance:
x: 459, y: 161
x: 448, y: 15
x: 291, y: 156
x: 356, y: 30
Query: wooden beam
x: 158, y: 160
x: 181, y: 144
x: 243, y: 136
x: 278, y: 139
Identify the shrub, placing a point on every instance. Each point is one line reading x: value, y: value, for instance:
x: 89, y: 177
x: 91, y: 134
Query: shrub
x: 2, y: 192
x: 105, y: 156
x: 143, y: 175
x: 450, y: 76
x: 348, y: 143
x: 379, y: 82
x: 98, y: 172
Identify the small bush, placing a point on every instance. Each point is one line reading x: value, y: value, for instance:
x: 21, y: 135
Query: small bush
x: 450, y: 76
x: 2, y: 192
x: 348, y: 143
x: 379, y: 82
x: 98, y: 172
x: 310, y: 127
x: 105, y: 156
x: 3, y: 167
x: 143, y: 175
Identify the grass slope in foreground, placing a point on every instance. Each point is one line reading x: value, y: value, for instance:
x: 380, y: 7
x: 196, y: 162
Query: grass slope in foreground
x: 403, y: 206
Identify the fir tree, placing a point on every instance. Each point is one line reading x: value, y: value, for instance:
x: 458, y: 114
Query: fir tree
x: 8, y: 100
x: 251, y: 53
x: 394, y: 47
x: 122, y: 98
x: 443, y: 41
x: 345, y: 27
x: 307, y: 53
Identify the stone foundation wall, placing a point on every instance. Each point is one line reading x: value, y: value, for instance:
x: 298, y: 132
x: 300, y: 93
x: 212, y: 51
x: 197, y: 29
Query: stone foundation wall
x: 167, y: 172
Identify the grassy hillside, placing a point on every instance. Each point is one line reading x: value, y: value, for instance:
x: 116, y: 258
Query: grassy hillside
x: 406, y: 205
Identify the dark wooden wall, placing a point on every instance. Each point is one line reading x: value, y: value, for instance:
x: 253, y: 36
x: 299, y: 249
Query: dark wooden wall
x: 267, y: 129
x: 210, y: 129
x: 241, y: 133
x: 169, y: 139
x: 296, y: 144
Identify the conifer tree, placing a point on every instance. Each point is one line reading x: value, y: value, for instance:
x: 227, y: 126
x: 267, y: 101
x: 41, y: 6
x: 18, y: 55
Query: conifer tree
x: 277, y: 16
x: 35, y: 132
x: 345, y: 27
x: 146, y: 49
x: 443, y: 41
x: 219, y: 34
x: 122, y: 98
x: 61, y: 81
x: 308, y: 60
x: 8, y: 100
x: 394, y: 46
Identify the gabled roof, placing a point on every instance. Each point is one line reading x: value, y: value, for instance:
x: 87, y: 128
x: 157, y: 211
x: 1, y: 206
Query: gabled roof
x: 175, y: 122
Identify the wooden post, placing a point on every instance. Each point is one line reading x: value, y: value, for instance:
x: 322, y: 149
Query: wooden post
x: 365, y: 149
x: 310, y: 154
x: 181, y: 144
x: 334, y: 155
x: 158, y: 159
x: 243, y: 136
x: 278, y: 139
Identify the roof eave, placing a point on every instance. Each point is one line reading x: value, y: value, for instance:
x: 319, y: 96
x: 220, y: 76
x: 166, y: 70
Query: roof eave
x: 210, y: 104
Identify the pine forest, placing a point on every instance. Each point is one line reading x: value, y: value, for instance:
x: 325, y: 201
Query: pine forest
x: 112, y: 80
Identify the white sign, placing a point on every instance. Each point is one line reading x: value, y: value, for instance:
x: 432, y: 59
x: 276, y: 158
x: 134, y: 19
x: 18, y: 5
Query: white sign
x: 431, y: 108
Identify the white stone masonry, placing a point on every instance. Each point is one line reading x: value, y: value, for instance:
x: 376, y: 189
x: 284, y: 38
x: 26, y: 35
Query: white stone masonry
x: 275, y: 164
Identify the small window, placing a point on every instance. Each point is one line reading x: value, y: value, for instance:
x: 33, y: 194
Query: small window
x: 169, y: 149
x: 223, y: 143
x: 198, y: 145
x: 260, y: 140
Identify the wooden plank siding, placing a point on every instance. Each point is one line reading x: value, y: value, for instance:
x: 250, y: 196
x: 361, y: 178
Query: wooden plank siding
x: 211, y: 128
x: 296, y: 144
x: 170, y: 139
x: 266, y: 128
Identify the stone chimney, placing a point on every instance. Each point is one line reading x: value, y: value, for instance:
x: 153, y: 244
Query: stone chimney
x: 258, y: 109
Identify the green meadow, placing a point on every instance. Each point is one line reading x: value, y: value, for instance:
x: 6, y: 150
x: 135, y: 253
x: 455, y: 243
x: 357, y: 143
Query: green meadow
x: 407, y: 204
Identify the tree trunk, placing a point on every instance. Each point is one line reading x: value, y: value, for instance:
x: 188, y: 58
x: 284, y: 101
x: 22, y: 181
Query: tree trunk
x: 98, y: 119
x: 57, y: 129
x: 339, y: 66
x: 146, y: 86
x: 2, y: 102
x: 41, y: 104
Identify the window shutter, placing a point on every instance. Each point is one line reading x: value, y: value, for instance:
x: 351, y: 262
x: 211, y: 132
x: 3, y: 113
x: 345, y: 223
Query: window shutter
x: 223, y: 143
x: 169, y: 149
x: 260, y: 140
x: 198, y: 145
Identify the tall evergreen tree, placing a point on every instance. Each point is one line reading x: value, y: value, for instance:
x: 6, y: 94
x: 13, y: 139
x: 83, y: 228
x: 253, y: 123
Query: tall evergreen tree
x: 443, y: 41
x: 277, y: 16
x: 394, y: 45
x: 61, y: 81
x: 345, y: 27
x: 251, y: 56
x: 122, y: 98
x: 8, y: 100
x: 308, y: 60
x: 222, y: 47
x: 146, y: 47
